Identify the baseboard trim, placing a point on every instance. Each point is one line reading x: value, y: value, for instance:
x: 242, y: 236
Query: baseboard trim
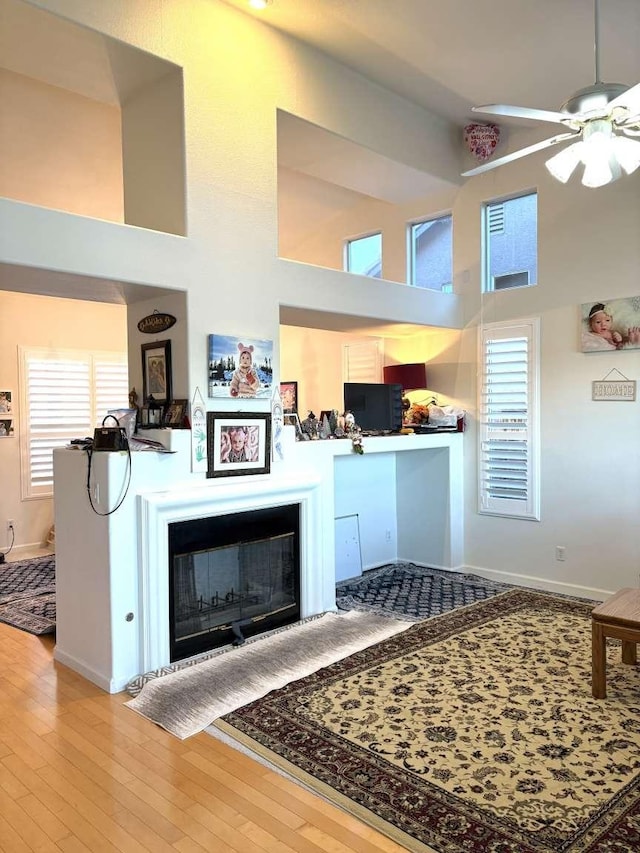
x: 106, y: 684
x: 455, y: 570
x: 543, y: 584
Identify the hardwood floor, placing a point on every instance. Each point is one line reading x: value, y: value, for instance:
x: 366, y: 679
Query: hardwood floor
x: 81, y: 772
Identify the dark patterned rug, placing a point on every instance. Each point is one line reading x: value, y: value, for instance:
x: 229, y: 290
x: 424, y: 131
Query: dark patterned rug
x: 28, y: 594
x: 414, y: 591
x: 472, y: 732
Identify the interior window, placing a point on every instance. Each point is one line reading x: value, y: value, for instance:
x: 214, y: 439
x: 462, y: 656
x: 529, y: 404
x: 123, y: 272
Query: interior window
x: 431, y: 254
x: 364, y: 255
x: 510, y: 243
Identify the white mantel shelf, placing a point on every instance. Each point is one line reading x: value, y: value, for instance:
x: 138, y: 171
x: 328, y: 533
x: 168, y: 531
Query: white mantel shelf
x: 112, y: 572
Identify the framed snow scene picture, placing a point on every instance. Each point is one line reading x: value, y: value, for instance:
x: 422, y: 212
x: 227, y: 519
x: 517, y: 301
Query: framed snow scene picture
x: 239, y: 367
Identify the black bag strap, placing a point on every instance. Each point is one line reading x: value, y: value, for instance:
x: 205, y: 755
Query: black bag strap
x: 106, y: 418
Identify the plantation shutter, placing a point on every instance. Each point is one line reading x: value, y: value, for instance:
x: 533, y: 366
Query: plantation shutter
x: 509, y: 432
x: 111, y: 386
x: 64, y: 395
x: 362, y: 362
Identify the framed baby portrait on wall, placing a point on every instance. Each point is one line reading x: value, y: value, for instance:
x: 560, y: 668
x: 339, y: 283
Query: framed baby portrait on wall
x: 610, y: 325
x: 239, y: 367
x: 238, y: 443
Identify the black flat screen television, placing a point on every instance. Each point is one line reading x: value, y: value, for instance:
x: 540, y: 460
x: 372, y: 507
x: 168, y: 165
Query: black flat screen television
x: 377, y: 407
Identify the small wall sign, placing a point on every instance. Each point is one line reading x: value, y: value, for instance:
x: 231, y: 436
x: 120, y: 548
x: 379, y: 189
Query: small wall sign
x: 624, y: 390
x: 155, y: 323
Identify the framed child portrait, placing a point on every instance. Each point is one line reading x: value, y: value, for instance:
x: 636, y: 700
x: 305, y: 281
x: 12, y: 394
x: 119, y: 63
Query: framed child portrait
x: 238, y: 443
x: 289, y: 396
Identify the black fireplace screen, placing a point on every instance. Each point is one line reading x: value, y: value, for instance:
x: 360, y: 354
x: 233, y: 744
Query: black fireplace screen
x: 232, y: 576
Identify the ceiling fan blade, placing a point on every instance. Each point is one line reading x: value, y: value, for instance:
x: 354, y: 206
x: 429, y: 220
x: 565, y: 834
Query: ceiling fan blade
x: 629, y: 99
x: 515, y: 155
x: 629, y: 121
x: 524, y: 112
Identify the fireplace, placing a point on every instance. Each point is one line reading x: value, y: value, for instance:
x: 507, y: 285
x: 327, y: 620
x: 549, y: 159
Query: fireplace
x: 159, y: 511
x: 232, y: 576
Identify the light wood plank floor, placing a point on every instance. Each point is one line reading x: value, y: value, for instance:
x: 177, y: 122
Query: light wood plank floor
x: 81, y: 772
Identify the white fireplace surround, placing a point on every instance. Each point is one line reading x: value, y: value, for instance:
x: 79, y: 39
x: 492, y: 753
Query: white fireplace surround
x: 112, y: 576
x: 157, y: 510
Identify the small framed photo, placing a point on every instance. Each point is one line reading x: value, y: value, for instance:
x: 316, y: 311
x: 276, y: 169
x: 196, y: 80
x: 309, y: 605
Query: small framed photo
x: 238, y: 443
x: 6, y: 427
x: 174, y: 414
x: 6, y: 403
x: 289, y: 396
x: 156, y: 372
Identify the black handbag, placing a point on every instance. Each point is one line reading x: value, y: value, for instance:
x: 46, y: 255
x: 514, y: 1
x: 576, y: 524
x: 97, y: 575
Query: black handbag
x: 109, y: 437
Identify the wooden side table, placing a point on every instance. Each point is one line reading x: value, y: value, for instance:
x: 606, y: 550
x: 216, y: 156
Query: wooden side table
x: 617, y: 617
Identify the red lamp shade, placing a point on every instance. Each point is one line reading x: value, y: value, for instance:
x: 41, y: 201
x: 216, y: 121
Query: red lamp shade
x: 410, y: 376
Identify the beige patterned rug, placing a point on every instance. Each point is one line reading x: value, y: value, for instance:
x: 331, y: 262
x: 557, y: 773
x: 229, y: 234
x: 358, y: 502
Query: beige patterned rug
x: 472, y: 732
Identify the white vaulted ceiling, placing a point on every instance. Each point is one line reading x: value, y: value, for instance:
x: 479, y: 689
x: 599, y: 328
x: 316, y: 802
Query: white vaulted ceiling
x: 450, y: 55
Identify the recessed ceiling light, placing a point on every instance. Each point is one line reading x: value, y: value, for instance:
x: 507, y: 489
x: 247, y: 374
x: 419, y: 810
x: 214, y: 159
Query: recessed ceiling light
x: 260, y: 4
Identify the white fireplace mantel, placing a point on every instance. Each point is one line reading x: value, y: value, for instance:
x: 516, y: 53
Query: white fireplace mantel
x: 112, y: 570
x: 157, y: 510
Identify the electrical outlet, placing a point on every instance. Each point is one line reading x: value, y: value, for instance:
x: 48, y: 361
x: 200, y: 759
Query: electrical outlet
x: 11, y: 525
x: 560, y: 552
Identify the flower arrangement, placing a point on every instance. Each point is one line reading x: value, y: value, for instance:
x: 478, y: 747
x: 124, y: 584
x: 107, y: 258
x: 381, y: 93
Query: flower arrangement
x: 356, y: 441
x: 417, y: 414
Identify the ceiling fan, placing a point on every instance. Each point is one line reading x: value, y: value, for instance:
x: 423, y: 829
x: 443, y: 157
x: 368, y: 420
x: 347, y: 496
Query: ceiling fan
x: 600, y: 119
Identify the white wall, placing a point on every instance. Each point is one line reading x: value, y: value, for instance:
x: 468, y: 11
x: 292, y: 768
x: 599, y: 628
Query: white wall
x: 590, y: 452
x: 170, y: 303
x: 59, y: 149
x: 153, y: 156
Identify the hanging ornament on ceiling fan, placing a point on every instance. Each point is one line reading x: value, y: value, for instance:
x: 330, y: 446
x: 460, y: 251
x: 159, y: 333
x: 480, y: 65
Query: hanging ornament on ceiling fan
x: 481, y: 139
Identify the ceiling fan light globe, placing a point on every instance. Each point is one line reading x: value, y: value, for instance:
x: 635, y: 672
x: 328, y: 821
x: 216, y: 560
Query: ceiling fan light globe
x: 563, y: 164
x: 597, y: 172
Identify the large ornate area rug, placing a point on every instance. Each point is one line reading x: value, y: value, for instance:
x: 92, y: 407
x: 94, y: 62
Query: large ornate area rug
x: 28, y: 594
x: 472, y: 732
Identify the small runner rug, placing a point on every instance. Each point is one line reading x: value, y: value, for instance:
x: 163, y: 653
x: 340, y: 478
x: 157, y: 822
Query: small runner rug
x: 472, y: 732
x: 28, y: 594
x: 186, y: 701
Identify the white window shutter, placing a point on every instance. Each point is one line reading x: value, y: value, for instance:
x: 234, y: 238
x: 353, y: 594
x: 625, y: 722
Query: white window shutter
x: 509, y: 420
x: 64, y: 395
x: 362, y: 361
x: 111, y: 385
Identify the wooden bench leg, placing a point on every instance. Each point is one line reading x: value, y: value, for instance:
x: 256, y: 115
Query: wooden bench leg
x: 598, y: 661
x: 629, y: 652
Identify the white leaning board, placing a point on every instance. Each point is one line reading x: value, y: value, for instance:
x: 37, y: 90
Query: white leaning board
x: 348, y: 556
